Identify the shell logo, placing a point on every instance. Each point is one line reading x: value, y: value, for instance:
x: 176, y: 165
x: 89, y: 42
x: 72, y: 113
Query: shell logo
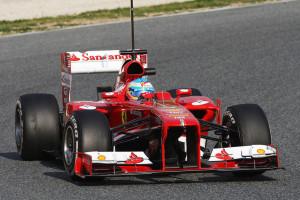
x: 261, y: 151
x: 101, y: 157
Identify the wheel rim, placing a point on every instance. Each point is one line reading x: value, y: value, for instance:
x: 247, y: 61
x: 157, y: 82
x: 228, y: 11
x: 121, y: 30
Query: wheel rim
x: 233, y: 138
x: 19, y: 130
x: 69, y: 146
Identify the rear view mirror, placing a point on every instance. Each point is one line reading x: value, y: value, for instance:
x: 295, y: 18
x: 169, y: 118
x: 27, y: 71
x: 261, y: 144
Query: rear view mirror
x: 109, y: 95
x: 101, y: 89
x: 184, y: 92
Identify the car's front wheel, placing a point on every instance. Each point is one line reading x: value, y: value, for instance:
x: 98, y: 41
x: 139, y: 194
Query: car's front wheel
x: 85, y: 131
x: 249, y: 126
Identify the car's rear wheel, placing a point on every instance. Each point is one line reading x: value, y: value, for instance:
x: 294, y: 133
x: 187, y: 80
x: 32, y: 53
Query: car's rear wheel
x: 250, y: 127
x: 195, y: 92
x: 37, y: 127
x: 86, y: 131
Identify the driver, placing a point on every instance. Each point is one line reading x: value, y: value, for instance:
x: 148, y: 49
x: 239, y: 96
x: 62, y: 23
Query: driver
x: 137, y: 87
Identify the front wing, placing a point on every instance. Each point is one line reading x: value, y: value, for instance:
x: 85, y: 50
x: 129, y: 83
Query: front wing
x: 243, y: 158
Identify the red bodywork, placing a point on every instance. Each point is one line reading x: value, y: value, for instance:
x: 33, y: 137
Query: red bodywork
x: 163, y: 112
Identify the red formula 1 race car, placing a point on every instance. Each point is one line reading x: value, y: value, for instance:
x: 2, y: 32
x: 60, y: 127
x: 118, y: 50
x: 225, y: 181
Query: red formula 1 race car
x: 133, y: 129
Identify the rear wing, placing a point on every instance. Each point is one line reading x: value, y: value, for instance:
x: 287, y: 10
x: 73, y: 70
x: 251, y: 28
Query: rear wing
x: 93, y: 62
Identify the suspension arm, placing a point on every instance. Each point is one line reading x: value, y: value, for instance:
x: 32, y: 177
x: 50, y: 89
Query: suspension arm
x: 214, y: 126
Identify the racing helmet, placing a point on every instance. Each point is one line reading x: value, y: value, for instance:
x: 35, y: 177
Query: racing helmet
x: 138, y: 86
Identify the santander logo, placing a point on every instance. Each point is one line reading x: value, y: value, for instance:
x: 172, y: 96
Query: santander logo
x: 74, y: 58
x: 88, y: 57
x: 134, y: 159
x: 223, y: 155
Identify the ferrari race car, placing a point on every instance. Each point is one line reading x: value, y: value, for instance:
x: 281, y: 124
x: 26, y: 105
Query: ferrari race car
x: 131, y: 129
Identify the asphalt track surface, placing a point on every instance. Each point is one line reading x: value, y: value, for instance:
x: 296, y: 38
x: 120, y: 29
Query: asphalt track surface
x: 248, y: 55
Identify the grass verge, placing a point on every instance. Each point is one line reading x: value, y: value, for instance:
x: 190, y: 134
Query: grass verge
x: 100, y: 16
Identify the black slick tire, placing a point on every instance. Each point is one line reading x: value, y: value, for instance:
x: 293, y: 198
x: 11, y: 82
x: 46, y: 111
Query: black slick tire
x: 250, y: 127
x: 85, y: 131
x: 37, y: 126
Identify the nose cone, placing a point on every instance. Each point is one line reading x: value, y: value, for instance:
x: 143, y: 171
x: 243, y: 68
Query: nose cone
x: 174, y: 115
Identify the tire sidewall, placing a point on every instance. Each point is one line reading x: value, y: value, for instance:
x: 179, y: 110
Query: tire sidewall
x: 19, y: 113
x: 72, y: 124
